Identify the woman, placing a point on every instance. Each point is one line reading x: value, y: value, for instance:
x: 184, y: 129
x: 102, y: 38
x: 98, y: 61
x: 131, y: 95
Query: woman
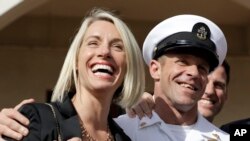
x: 103, y: 64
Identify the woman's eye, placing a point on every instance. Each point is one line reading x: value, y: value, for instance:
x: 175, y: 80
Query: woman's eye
x: 117, y: 47
x: 92, y: 43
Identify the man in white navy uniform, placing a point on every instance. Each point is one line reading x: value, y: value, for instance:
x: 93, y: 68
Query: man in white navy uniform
x: 180, y: 52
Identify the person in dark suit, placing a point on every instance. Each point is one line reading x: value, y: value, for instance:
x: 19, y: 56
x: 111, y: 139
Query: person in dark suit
x: 226, y: 127
x: 103, y: 64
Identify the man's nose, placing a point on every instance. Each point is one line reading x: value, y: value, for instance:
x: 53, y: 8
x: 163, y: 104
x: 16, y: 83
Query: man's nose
x: 209, y: 88
x: 193, y: 70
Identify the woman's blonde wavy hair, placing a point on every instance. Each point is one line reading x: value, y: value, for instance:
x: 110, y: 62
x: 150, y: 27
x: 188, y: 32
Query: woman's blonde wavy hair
x: 134, y: 80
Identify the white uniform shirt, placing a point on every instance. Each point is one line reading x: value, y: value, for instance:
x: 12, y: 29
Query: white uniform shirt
x: 155, y: 129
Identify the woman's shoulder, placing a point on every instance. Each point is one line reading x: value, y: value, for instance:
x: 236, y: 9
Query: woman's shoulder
x: 35, y: 109
x: 42, y: 122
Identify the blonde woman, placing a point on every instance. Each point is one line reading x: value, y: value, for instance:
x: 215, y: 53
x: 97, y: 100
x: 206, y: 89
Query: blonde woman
x: 103, y: 64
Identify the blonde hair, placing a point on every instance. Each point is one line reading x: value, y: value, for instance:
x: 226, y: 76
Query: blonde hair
x: 134, y: 80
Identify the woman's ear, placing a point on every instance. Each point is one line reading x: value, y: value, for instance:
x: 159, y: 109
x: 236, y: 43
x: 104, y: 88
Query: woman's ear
x: 76, y: 65
x: 154, y: 69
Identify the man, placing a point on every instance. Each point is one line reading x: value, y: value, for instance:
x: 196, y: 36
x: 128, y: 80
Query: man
x: 180, y: 53
x: 215, y: 96
x: 211, y: 103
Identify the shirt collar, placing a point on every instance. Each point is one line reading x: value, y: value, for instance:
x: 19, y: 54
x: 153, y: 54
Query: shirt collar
x: 146, y: 121
x: 207, y: 133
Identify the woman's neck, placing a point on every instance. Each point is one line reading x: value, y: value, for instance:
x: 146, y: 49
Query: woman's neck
x: 93, y: 115
x: 91, y: 109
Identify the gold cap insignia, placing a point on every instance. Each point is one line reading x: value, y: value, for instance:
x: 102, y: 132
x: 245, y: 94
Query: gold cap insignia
x: 201, y: 30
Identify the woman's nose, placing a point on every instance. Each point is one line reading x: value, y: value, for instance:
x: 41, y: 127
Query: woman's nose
x: 104, y: 51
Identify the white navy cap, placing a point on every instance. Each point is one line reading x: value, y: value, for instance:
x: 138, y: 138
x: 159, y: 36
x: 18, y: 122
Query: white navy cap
x: 189, y: 34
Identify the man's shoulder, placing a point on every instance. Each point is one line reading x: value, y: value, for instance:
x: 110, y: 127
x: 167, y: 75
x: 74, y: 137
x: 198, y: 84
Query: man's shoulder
x: 139, y: 129
x: 128, y: 125
x: 126, y: 121
x: 204, y: 129
x: 207, y: 128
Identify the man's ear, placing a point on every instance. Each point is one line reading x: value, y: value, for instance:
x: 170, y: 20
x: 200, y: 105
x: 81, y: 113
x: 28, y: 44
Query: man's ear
x: 154, y: 69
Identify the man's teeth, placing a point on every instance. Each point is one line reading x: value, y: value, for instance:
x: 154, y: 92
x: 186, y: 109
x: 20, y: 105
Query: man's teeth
x: 187, y: 86
x: 206, y: 101
x: 102, y: 68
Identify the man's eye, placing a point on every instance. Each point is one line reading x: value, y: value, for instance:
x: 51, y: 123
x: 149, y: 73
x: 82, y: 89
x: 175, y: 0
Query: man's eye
x: 204, y: 69
x: 182, y: 62
x: 220, y: 86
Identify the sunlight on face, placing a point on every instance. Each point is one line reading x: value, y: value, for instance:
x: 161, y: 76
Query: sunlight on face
x: 183, y: 79
x: 102, y: 60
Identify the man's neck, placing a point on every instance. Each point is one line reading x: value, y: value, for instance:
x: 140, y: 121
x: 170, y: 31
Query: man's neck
x: 171, y: 115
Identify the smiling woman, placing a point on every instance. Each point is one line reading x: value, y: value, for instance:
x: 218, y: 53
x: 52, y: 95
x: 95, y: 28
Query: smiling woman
x: 103, y: 64
x: 102, y: 58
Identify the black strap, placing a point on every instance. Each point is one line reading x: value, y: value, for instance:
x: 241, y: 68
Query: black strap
x: 56, y: 120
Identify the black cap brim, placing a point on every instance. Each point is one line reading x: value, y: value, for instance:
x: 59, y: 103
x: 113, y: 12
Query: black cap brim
x: 201, y: 52
x: 189, y: 43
